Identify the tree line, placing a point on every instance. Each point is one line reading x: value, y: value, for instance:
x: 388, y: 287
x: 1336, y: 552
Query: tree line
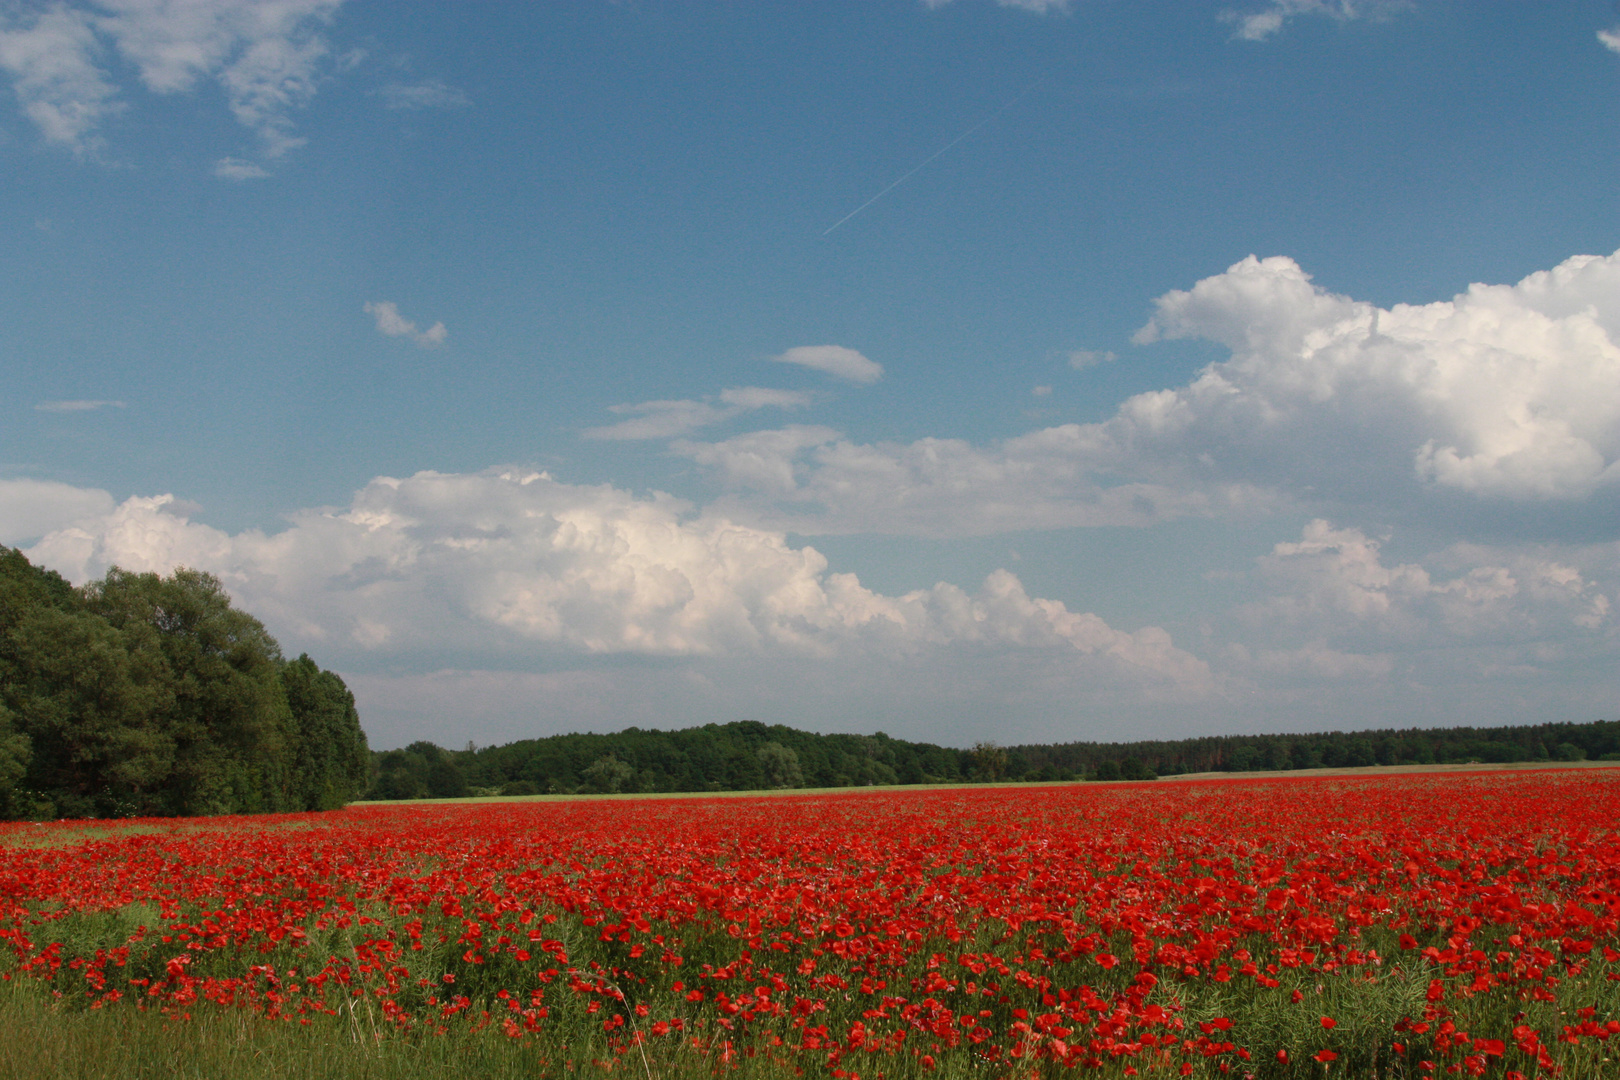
x: 748, y: 755
x: 142, y: 695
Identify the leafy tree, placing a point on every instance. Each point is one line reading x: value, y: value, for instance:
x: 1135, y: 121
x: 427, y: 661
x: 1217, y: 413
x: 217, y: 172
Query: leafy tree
x: 608, y: 776
x: 330, y: 760
x: 229, y: 721
x: 989, y: 760
x: 781, y: 766
x: 1131, y: 769
x: 95, y: 707
x: 1571, y: 752
x: 16, y: 750
x: 143, y: 694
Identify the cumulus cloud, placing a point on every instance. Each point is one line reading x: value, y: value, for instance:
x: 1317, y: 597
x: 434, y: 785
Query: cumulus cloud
x: 1506, y: 394
x: 1610, y: 39
x: 428, y: 94
x: 834, y: 360
x: 29, y: 509
x: 1334, y: 582
x: 507, y: 562
x: 1505, y: 391
x: 669, y: 419
x: 1340, y: 632
x: 393, y: 324
x: 268, y: 58
x: 1259, y: 25
x: 81, y: 405
x: 628, y: 609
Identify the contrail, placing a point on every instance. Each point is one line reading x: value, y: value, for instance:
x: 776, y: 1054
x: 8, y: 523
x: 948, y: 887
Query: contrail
x: 931, y: 157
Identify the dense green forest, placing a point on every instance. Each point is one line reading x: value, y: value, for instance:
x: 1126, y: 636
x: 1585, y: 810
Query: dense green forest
x: 749, y: 755
x: 141, y: 695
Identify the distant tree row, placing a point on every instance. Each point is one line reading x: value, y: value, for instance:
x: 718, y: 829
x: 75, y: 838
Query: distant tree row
x: 742, y: 756
x: 749, y: 755
x: 141, y: 695
x: 1333, y: 749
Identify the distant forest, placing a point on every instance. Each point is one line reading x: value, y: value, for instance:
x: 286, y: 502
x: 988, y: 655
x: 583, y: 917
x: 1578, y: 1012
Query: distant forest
x: 748, y: 756
x: 140, y: 695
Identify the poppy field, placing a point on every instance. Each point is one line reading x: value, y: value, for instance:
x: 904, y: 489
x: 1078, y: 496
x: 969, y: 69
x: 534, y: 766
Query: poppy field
x: 1403, y: 926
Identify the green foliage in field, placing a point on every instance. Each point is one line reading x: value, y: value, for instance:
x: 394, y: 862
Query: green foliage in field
x: 141, y: 695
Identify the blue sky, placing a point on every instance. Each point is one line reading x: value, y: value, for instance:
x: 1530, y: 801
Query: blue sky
x: 525, y: 364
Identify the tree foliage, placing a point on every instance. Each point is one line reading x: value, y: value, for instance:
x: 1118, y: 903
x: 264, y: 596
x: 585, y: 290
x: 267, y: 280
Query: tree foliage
x: 749, y: 755
x: 148, y: 695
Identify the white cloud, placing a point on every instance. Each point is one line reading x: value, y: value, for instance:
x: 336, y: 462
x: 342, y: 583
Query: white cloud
x: 1318, y: 662
x: 1502, y: 395
x: 1080, y: 359
x: 1038, y: 7
x: 393, y: 324
x: 428, y: 94
x: 1259, y: 25
x: 1341, y: 635
x: 51, y: 58
x: 230, y: 168
x: 507, y: 563
x: 1610, y: 38
x: 29, y: 509
x: 1334, y: 583
x: 419, y: 587
x: 760, y: 397
x: 84, y: 405
x: 658, y: 419
x: 1505, y: 391
x: 669, y: 419
x: 763, y: 460
x: 834, y: 360
x: 268, y: 57
x: 811, y: 480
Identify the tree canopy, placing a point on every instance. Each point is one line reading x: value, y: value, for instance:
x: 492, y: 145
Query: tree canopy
x: 749, y: 755
x: 145, y: 695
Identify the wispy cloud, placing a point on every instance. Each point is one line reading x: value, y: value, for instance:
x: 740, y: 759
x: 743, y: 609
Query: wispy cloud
x: 1610, y: 38
x: 428, y: 94
x: 392, y: 323
x: 1038, y: 7
x: 230, y: 168
x: 52, y: 61
x: 77, y: 406
x: 834, y: 360
x: 268, y: 58
x: 1259, y: 25
x: 671, y: 419
x: 1080, y: 359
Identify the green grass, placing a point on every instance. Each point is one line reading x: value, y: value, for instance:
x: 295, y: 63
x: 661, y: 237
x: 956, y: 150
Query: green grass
x: 65, y: 1036
x: 50, y: 1039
